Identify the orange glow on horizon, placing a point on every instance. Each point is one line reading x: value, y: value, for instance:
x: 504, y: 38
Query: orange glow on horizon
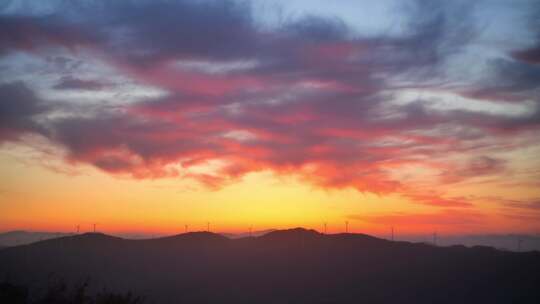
x: 51, y: 201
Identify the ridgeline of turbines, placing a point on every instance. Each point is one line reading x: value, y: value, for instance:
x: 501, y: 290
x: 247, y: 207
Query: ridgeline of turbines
x: 324, y: 230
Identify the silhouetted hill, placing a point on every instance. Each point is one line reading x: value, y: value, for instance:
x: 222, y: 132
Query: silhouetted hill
x: 201, y: 236
x: 287, y: 266
x: 291, y: 233
x: 247, y: 234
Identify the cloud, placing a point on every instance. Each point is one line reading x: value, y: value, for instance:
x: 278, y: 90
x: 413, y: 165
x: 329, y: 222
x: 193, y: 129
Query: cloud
x: 524, y: 217
x: 531, y: 204
x: 317, y: 99
x: 441, y: 218
x: 18, y: 106
x: 531, y: 55
x: 479, y: 166
x: 483, y: 165
x: 436, y: 200
x: 32, y: 33
x: 71, y: 83
x: 516, y: 76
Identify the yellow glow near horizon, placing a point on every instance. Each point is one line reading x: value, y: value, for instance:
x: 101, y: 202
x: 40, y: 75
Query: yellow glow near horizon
x: 37, y: 198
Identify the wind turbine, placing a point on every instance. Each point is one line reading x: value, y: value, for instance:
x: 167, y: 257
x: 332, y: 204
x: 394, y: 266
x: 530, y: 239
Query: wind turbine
x: 346, y: 226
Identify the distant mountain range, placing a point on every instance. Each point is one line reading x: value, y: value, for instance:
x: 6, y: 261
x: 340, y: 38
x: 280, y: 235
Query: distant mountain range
x: 512, y: 242
x: 283, y: 266
x: 21, y: 237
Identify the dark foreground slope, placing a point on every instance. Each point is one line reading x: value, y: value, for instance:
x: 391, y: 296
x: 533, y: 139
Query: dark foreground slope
x: 292, y: 266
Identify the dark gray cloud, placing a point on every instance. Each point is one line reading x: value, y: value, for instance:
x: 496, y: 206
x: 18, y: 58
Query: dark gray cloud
x: 32, y: 33
x: 18, y: 106
x: 71, y: 83
x: 512, y: 80
x: 435, y: 31
x: 531, y: 54
x: 150, y: 31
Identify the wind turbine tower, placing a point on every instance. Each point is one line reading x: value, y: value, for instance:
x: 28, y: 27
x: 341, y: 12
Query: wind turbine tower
x: 346, y: 226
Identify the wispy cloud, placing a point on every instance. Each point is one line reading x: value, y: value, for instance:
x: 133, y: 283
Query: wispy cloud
x: 440, y: 218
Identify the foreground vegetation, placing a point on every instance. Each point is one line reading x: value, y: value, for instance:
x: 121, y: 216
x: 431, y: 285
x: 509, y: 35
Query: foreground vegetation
x: 60, y: 293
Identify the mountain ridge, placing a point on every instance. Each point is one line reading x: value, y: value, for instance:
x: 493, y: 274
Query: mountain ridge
x: 295, y: 265
x: 284, y: 234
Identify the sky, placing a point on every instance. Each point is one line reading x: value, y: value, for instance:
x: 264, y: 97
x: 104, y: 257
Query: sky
x: 147, y: 116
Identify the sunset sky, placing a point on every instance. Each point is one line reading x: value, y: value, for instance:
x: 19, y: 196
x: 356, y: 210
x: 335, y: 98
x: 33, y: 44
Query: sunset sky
x: 145, y: 116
